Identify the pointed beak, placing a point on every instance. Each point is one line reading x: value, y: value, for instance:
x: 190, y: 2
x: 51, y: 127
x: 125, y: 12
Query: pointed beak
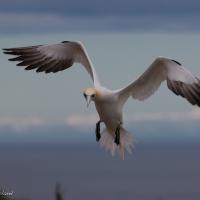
x: 88, y: 100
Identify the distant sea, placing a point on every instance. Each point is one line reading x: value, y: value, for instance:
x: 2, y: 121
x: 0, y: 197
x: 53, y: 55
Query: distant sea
x: 159, y: 169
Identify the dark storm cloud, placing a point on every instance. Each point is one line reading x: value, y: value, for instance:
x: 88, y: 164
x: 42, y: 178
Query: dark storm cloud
x: 103, y: 7
x: 61, y: 15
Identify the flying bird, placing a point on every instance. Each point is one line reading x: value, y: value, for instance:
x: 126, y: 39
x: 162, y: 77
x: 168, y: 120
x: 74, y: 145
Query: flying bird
x: 109, y: 103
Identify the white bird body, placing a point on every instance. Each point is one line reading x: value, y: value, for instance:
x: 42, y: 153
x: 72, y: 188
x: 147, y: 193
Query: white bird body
x: 109, y: 108
x: 109, y: 104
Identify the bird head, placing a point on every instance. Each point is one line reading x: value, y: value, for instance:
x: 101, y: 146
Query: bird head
x: 89, y: 94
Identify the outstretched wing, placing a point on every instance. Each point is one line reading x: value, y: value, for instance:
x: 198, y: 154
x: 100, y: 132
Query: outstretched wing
x: 53, y: 58
x: 179, y: 80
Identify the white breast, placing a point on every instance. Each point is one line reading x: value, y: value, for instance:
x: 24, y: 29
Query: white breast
x: 109, y: 111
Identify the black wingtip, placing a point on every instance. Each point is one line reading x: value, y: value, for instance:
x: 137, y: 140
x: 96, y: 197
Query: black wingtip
x: 65, y: 41
x: 14, y: 59
x: 177, y: 62
x: 11, y: 53
x: 6, y: 52
x: 5, y: 49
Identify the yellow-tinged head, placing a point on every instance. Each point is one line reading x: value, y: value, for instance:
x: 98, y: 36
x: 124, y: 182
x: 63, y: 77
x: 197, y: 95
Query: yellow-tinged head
x: 90, y: 95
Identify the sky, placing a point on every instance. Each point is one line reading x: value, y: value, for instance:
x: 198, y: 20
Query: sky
x: 22, y: 16
x: 122, y: 39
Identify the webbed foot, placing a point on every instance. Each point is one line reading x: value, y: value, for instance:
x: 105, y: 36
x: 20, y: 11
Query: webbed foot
x: 98, y: 131
x: 117, y: 135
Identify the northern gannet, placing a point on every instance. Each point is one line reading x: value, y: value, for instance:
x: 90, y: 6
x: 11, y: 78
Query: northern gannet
x: 109, y: 103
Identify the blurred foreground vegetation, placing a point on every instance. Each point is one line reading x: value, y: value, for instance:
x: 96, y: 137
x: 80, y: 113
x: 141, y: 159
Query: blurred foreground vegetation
x: 58, y: 195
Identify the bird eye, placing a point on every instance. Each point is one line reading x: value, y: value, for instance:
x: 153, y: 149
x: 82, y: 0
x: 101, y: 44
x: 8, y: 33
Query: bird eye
x: 84, y: 95
x: 93, y: 96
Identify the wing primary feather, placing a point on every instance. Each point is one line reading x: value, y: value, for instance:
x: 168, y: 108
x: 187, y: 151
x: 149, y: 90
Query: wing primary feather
x: 188, y: 95
x: 19, y: 58
x: 37, y: 64
x: 18, y: 52
x: 198, y: 85
x: 178, y: 86
x: 171, y: 87
x: 177, y: 62
x: 44, y: 67
x: 185, y: 91
x: 32, y: 60
x: 53, y: 57
x: 60, y: 66
x: 194, y: 95
x: 31, y: 67
x: 24, y: 57
x: 196, y: 88
x: 64, y: 66
x: 175, y: 87
x: 21, y: 48
x: 11, y: 53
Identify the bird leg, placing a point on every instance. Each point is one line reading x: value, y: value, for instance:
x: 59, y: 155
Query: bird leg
x: 117, y: 134
x: 98, y: 130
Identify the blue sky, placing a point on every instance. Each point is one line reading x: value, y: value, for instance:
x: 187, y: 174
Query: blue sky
x: 22, y: 16
x: 122, y: 39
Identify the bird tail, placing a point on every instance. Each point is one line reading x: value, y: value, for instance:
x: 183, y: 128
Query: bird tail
x: 126, y: 142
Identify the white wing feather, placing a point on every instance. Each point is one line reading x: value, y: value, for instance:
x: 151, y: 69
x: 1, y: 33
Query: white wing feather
x: 53, y: 58
x: 179, y: 80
